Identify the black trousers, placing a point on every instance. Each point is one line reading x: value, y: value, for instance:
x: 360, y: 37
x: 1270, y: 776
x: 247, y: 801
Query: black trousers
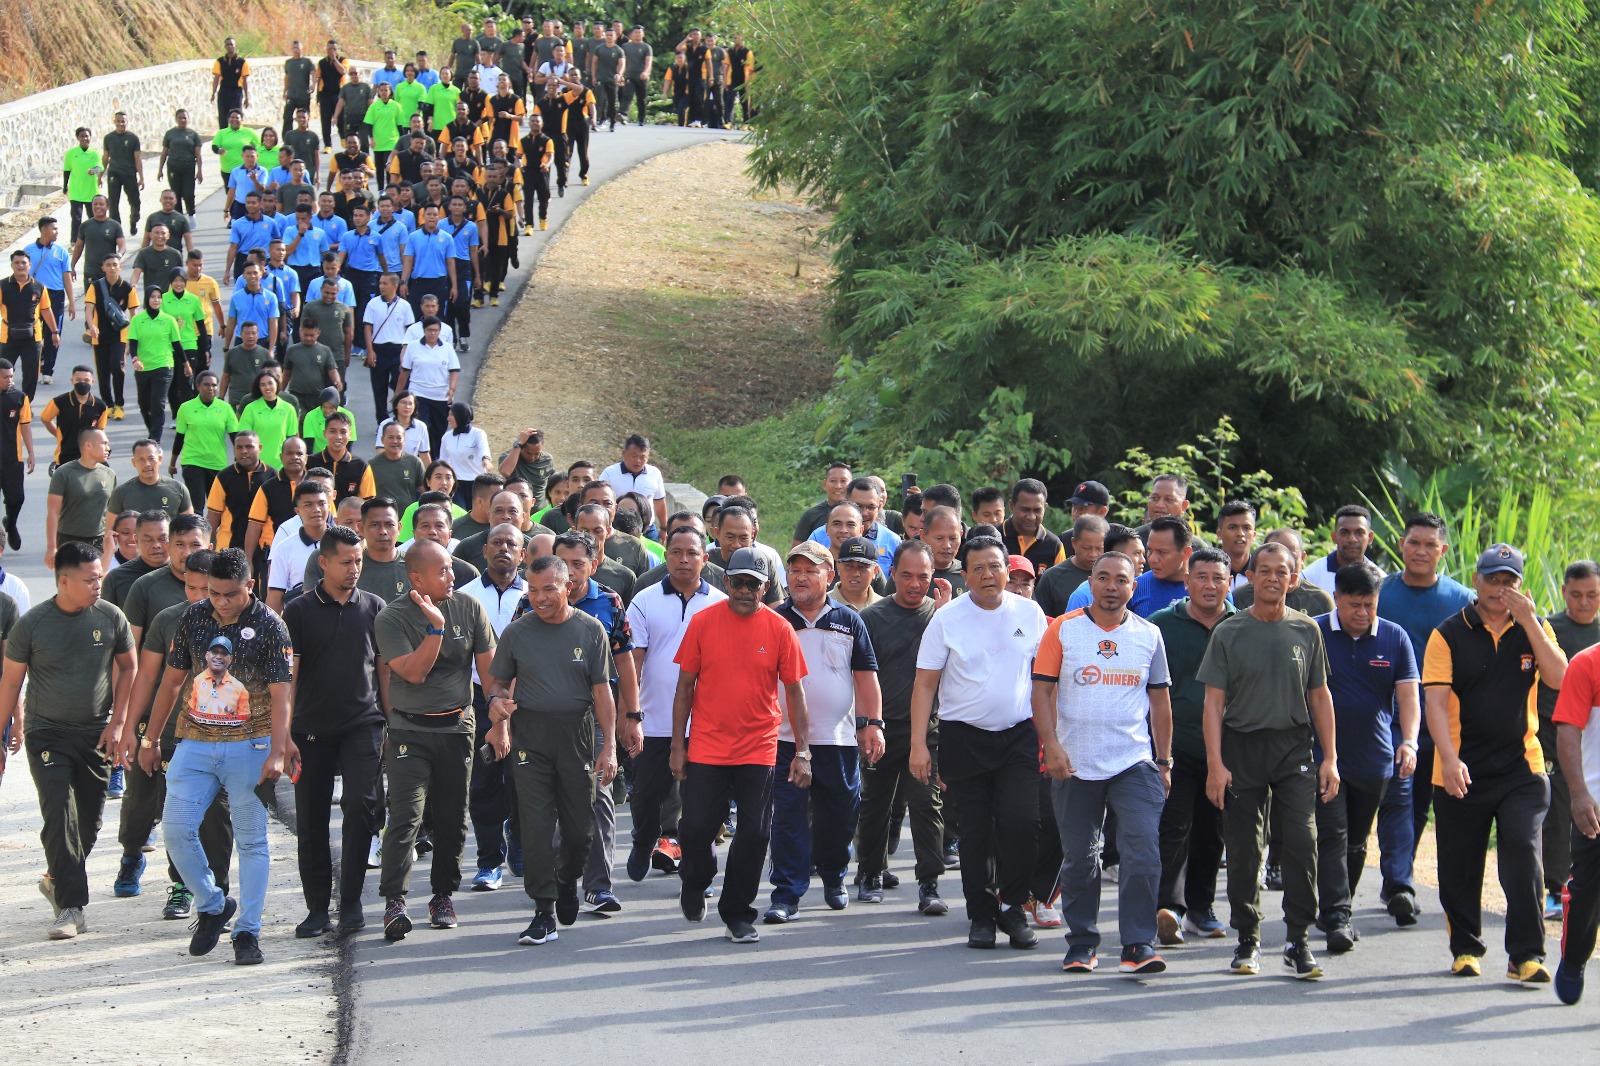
x: 1558, y: 822
x: 47, y: 356
x: 654, y: 813
x: 385, y: 375
x: 365, y: 284
x: 119, y: 186
x: 13, y: 485
x: 153, y: 386
x: 326, y: 103
x: 1581, y: 903
x: 23, y: 352
x: 417, y: 288
x: 536, y: 194
x: 1343, y: 825
x: 607, y: 92
x: 1191, y: 841
x: 380, y: 164
x: 79, y: 209
x: 141, y: 810
x: 180, y: 179
x: 198, y: 480
x: 1047, y: 867
x: 429, y: 772
x: 495, y: 263
x: 71, y: 777
x: 227, y: 100
x: 706, y: 792
x: 578, y: 145
x: 884, y: 786
x: 552, y: 761
x: 356, y: 755
x: 348, y: 126
x: 1514, y: 806
x: 640, y: 88
x: 993, y: 776
x: 109, y: 361
x: 458, y: 312
x: 1421, y: 791
x: 492, y: 799
x: 1271, y: 764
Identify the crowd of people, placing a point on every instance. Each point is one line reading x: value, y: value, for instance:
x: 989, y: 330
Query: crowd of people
x: 466, y: 637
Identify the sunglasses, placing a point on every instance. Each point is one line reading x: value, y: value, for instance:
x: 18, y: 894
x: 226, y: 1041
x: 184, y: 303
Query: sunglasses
x: 745, y: 584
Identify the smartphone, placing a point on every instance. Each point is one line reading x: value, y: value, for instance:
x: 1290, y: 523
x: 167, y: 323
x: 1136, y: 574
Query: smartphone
x: 908, y: 484
x: 267, y: 793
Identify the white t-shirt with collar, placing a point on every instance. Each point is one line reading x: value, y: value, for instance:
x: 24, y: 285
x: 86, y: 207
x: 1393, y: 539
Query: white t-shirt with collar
x: 648, y: 482
x: 658, y: 617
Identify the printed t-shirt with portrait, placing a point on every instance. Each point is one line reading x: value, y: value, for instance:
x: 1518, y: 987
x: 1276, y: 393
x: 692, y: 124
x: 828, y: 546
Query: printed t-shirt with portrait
x: 263, y: 656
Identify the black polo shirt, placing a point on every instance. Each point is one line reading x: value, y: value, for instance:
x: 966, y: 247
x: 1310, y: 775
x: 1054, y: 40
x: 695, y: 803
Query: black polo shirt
x: 238, y: 493
x: 71, y: 417
x: 15, y: 412
x: 273, y: 504
x: 1043, y: 552
x: 336, y: 685
x: 348, y: 473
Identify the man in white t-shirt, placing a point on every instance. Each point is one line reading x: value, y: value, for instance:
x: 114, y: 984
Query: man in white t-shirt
x: 290, y: 551
x: 976, y: 657
x: 1100, y: 686
x: 635, y: 474
x: 1352, y: 536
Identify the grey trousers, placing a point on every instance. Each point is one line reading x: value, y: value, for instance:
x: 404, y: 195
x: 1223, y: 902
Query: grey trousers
x: 597, y: 871
x: 1136, y: 796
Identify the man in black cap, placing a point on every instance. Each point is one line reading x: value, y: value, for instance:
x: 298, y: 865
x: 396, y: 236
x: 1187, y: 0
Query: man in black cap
x: 1480, y: 678
x: 1090, y: 497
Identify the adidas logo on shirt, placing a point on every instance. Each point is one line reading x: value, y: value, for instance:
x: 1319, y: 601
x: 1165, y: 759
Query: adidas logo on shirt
x: 1018, y: 633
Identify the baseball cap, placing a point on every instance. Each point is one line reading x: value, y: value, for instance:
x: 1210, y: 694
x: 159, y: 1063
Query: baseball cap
x: 1021, y: 562
x: 221, y: 641
x: 810, y: 549
x: 1499, y: 559
x: 1091, y: 494
x: 858, y: 550
x: 748, y: 562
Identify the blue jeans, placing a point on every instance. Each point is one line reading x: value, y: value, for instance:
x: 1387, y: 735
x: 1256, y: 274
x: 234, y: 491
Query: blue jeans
x: 833, y: 802
x: 1081, y: 807
x: 1397, y: 840
x: 198, y: 770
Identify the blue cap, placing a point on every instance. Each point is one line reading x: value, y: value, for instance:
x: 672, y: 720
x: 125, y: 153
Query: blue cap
x: 224, y: 642
x: 1500, y: 559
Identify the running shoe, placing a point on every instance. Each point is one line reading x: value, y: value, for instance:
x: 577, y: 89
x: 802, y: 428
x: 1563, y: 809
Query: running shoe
x: 869, y: 890
x: 1044, y: 915
x: 602, y: 901
x: 396, y: 922
x: 1204, y: 924
x: 666, y: 856
x: 1246, y: 957
x: 247, y: 950
x: 315, y: 924
x: 928, y: 901
x: 68, y: 924
x: 541, y: 930
x: 566, y: 902
x: 890, y: 881
x: 442, y: 912
x: 1080, y: 959
x: 740, y: 932
x: 1529, y: 972
x: 544, y: 223
x: 527, y: 230
x: 1552, y: 907
x: 208, y: 928
x: 780, y: 914
x: 1168, y: 928
x: 1014, y: 923
x: 638, y: 862
x: 128, y: 874
x: 835, y: 896
x: 1467, y: 966
x: 952, y: 854
x: 117, y: 785
x: 487, y: 879
x: 1272, y: 877
x: 693, y: 905
x: 1341, y: 938
x: 47, y: 889
x: 1298, y: 958
x: 1569, y: 983
x: 981, y: 934
x: 1141, y: 959
x: 351, y: 918
x: 180, y: 903
x: 1403, y: 908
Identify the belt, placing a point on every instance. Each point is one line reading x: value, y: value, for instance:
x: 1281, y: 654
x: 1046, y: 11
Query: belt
x: 435, y: 719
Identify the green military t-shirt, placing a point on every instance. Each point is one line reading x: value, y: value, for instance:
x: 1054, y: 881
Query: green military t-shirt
x: 330, y: 319
x: 167, y: 494
x: 155, y: 335
x: 306, y: 145
x: 308, y: 364
x: 157, y: 266
x: 205, y: 429
x: 555, y: 666
x: 85, y: 497
x: 297, y: 74
x: 177, y: 224
x: 69, y: 656
x: 536, y: 474
x: 401, y: 628
x: 1266, y: 668
x: 608, y: 58
x: 122, y: 152
x: 183, y: 147
x: 241, y: 364
x: 157, y: 636
x: 399, y: 479
x: 152, y: 594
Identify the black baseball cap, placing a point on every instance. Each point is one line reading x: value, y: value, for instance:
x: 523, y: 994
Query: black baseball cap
x: 858, y: 550
x: 749, y: 563
x: 1091, y: 494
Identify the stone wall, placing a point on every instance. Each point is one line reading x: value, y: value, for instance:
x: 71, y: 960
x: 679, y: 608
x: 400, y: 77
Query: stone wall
x: 36, y: 130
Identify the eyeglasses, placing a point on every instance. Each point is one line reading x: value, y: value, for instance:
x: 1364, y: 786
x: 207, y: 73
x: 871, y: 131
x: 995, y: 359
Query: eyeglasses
x: 744, y: 584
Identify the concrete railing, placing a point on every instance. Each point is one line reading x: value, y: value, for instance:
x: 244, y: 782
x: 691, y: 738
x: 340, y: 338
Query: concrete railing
x: 36, y: 130
x: 681, y: 496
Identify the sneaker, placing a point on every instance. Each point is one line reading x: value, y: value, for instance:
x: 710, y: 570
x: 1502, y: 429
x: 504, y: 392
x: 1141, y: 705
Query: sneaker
x: 494, y: 301
x: 1529, y: 972
x: 68, y: 924
x: 952, y: 855
x: 1141, y: 958
x: 602, y: 902
x: 461, y: 343
x: 1110, y: 873
x: 47, y: 380
x: 1272, y: 878
x: 693, y: 905
x: 127, y: 883
x: 1246, y: 957
x: 117, y: 785
x: 890, y: 880
x: 13, y: 534
x: 351, y: 918
x: 477, y: 301
x: 1569, y: 983
x: 424, y: 844
x: 514, y: 860
x: 152, y: 842
x: 180, y: 902
x: 316, y: 923
x: 869, y: 890
x: 1552, y: 907
x: 1014, y: 923
x: 1169, y: 930
x: 375, y: 854
x: 738, y: 932
x: 442, y: 913
x: 1044, y: 916
x: 835, y: 896
x: 1341, y: 938
x: 544, y: 223
x: 1467, y: 966
x: 1204, y: 924
x: 487, y: 879
x: 527, y: 230
x: 208, y: 927
x: 584, y: 180
x: 780, y: 914
x: 981, y: 934
x: 1080, y: 959
x: 561, y: 191
x: 47, y: 889
x: 116, y: 413
x: 1403, y: 908
x: 667, y: 855
x: 1297, y: 957
x: 928, y: 901
x: 396, y: 922
x: 247, y: 950
x: 541, y: 930
x: 638, y: 862
x: 567, y: 902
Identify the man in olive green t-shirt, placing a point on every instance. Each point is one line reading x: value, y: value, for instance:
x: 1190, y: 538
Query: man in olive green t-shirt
x: 80, y: 493
x: 431, y: 639
x: 66, y: 647
x: 396, y: 473
x: 149, y: 490
x: 1266, y: 678
x: 119, y: 154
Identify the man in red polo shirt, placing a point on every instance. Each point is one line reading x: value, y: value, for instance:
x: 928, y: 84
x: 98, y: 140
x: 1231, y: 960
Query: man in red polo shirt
x: 733, y: 656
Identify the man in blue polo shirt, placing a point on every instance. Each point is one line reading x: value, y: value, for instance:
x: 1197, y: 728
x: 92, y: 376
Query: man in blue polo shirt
x: 252, y: 303
x: 305, y: 242
x: 51, y: 267
x: 245, y: 235
x: 1167, y: 556
x: 1371, y: 669
x: 328, y: 221
x: 429, y: 264
x: 246, y: 178
x: 864, y: 495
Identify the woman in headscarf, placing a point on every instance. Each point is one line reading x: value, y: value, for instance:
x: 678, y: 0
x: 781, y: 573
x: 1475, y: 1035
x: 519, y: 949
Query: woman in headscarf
x: 155, y: 342
x: 466, y: 448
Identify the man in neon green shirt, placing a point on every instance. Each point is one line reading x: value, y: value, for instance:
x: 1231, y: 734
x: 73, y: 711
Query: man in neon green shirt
x: 81, y: 171
x: 442, y: 97
x: 231, y: 141
x: 202, y: 439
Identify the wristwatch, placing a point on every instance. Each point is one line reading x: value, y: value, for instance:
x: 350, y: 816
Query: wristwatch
x: 146, y: 742
x: 1408, y: 743
x: 806, y: 755
x: 862, y: 723
x: 634, y: 716
x: 435, y: 631
x: 1166, y: 763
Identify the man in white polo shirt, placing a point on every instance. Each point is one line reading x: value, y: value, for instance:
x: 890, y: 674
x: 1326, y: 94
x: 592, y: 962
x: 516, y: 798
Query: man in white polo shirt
x: 976, y: 657
x: 813, y: 826
x: 1099, y: 693
x: 658, y: 617
x: 635, y: 474
x: 287, y: 566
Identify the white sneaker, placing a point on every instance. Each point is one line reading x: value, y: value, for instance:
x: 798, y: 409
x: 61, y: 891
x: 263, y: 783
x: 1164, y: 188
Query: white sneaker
x: 375, y: 854
x: 69, y: 923
x: 47, y: 380
x: 1044, y: 915
x: 1109, y: 873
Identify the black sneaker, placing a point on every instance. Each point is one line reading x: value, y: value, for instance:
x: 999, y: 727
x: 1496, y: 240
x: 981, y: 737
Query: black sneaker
x: 980, y: 934
x: 1341, y: 938
x: 1297, y: 957
x: 351, y: 918
x: 442, y: 913
x: 13, y: 535
x: 869, y: 890
x: 1246, y: 957
x: 890, y: 880
x: 1272, y: 878
x: 1403, y: 908
x: 952, y: 855
x: 1014, y: 923
x: 835, y: 896
x: 208, y: 928
x: 928, y: 901
x: 1080, y: 959
x: 180, y: 903
x: 567, y: 902
x: 541, y: 930
x: 1141, y: 959
x: 396, y: 922
x: 743, y: 933
x: 693, y: 905
x: 315, y: 925
x: 424, y: 844
x: 247, y: 950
